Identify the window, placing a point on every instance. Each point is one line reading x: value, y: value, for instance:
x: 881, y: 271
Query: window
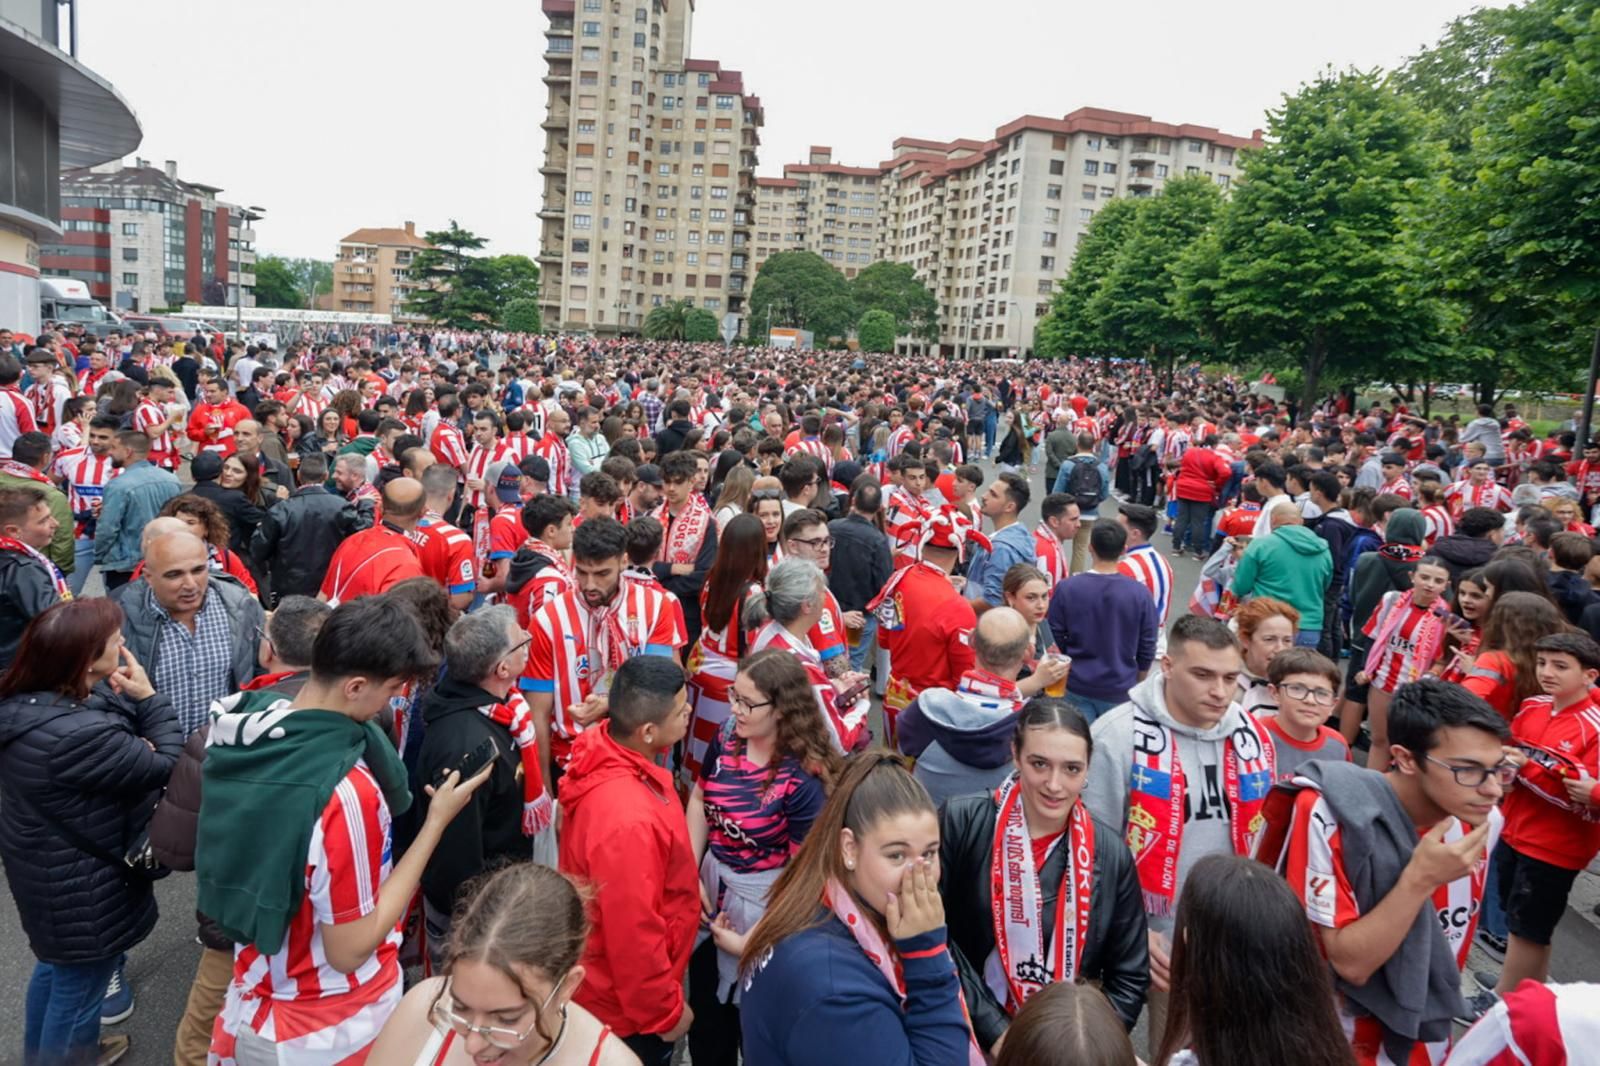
x: 1047, y: 262
x: 719, y: 192
x: 130, y: 255
x: 589, y: 53
x: 1222, y: 180
x: 1052, y: 215
x: 1092, y: 143
x: 1091, y: 167
x: 581, y: 246
x: 1088, y: 192
x: 724, y: 103
x: 1108, y: 168
x: 130, y: 229
x: 1046, y: 287
x: 1048, y: 237
x: 586, y: 127
x: 1085, y: 214
x: 1113, y: 143
x: 591, y: 29
x: 1107, y: 192
x: 1058, y: 166
x: 1191, y: 170
x: 1161, y: 170
x: 1197, y: 146
x: 581, y: 221
x: 1052, y: 192
x: 583, y: 199
x: 130, y: 279
x: 591, y: 6
x: 638, y: 40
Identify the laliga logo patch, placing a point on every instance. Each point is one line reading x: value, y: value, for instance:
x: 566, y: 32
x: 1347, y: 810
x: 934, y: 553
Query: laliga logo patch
x: 825, y: 623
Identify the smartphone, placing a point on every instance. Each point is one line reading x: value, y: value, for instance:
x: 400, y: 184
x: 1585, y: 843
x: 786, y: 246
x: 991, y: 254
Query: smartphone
x: 472, y: 762
x: 849, y: 696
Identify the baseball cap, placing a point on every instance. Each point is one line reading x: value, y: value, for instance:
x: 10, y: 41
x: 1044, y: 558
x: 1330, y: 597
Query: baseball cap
x: 508, y: 486
x: 648, y: 474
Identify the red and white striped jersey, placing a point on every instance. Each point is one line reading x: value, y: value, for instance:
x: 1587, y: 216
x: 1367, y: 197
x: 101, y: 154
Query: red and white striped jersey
x: 563, y: 635
x: 1533, y: 1025
x: 813, y: 447
x: 311, y: 406
x: 296, y: 997
x: 1176, y: 443
x: 448, y: 446
x: 1398, y: 487
x: 554, y: 451
x: 1051, y: 556
x: 1463, y: 495
x: 898, y: 439
x: 519, y: 445
x: 902, y: 510
x: 1086, y: 424
x: 1436, y: 523
x: 1314, y: 865
x: 87, y: 476
x: 46, y: 401
x: 1149, y: 568
x: 16, y: 418
x: 1397, y: 659
x: 163, y: 445
x: 477, y: 469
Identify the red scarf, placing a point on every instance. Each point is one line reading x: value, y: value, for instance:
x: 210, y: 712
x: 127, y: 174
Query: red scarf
x: 983, y: 683
x: 685, y: 533
x: 838, y: 899
x: 22, y: 470
x: 1022, y: 965
x: 11, y: 544
x: 1155, y: 801
x: 538, y: 810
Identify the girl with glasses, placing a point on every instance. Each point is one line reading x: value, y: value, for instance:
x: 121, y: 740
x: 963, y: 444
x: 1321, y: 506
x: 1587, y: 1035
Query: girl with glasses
x: 510, y: 970
x: 765, y: 776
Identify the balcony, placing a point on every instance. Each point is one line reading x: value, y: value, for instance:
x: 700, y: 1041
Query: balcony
x: 1145, y: 153
x: 554, y: 163
x: 560, y: 70
x: 1142, y: 178
x: 556, y: 120
x: 552, y: 209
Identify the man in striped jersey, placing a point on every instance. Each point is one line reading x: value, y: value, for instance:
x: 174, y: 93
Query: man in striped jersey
x: 1052, y: 541
x: 1146, y: 565
x: 580, y: 638
x: 1479, y: 490
x: 87, y: 473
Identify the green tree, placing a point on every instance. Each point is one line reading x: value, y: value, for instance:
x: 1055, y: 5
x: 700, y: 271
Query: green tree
x: 522, y: 316
x: 1068, y: 328
x: 802, y: 290
x: 515, y: 277
x: 1309, y: 265
x: 669, y: 322
x: 275, y: 284
x: 894, y: 287
x: 313, y: 277
x: 1136, y: 309
x: 454, y: 287
x: 876, y: 331
x: 701, y: 326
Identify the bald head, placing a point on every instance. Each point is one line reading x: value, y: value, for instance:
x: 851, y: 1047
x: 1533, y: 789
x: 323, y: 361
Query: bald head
x: 247, y: 435
x: 403, y: 502
x: 157, y: 527
x: 1287, y: 514
x: 1001, y: 640
x: 177, y: 566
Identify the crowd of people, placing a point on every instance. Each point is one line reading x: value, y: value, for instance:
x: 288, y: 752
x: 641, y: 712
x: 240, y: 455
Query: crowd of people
x: 532, y: 699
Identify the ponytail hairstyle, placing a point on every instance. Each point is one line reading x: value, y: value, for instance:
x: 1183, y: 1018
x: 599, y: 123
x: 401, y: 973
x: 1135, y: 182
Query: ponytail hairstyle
x: 520, y: 918
x: 802, y: 734
x: 1051, y: 712
x: 875, y: 785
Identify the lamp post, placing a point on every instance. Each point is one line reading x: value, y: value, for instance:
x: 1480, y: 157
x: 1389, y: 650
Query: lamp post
x: 247, y: 215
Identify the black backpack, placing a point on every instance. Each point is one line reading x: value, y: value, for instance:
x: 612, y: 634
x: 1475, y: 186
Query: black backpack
x: 1083, y: 484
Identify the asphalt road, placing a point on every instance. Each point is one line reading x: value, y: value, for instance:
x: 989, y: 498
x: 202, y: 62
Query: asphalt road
x: 161, y: 968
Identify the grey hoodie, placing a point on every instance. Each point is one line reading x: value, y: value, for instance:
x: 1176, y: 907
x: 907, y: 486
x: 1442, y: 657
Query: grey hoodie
x: 962, y: 742
x: 1206, y: 828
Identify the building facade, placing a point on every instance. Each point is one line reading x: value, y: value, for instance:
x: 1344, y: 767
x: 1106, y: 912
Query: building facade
x: 649, y: 168
x: 371, y: 272
x: 819, y: 206
x: 143, y: 238
x: 991, y: 226
x: 54, y: 113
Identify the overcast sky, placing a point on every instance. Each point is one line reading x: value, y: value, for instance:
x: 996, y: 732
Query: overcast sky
x: 338, y: 114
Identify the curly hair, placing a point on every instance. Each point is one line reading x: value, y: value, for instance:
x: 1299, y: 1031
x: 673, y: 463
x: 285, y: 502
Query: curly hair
x: 203, y: 510
x: 802, y: 733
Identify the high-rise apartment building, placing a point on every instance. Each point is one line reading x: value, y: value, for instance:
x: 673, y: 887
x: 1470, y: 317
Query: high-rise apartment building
x: 144, y: 238
x: 371, y: 271
x: 649, y: 168
x: 819, y: 206
x: 990, y: 226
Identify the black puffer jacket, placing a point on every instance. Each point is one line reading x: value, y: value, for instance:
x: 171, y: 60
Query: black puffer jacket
x: 297, y: 538
x: 1118, y: 951
x: 88, y: 764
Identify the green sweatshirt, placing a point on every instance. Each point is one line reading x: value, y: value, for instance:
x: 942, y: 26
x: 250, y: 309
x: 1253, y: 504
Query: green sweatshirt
x: 1294, y: 565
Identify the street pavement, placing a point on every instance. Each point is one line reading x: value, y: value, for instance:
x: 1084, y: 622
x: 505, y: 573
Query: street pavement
x: 161, y: 968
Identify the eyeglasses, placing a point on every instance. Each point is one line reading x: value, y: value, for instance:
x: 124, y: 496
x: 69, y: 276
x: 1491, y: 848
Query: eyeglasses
x: 1475, y: 776
x: 734, y: 699
x: 263, y: 636
x: 497, y: 1036
x: 518, y: 646
x: 1322, y: 697
x: 814, y: 543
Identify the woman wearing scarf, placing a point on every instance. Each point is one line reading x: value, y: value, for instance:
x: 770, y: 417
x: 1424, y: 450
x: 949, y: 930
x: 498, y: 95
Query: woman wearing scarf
x: 850, y: 962
x: 762, y: 784
x: 726, y: 616
x: 1038, y: 892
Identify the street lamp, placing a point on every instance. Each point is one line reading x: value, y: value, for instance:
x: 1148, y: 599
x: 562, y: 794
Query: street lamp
x: 247, y: 215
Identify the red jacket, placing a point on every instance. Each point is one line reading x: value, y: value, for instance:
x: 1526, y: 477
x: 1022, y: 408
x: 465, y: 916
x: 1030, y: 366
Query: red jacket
x: 222, y: 418
x: 624, y: 832
x: 1201, y: 475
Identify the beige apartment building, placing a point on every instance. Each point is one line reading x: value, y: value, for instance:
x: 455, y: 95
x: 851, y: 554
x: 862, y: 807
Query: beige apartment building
x: 649, y: 168
x: 820, y: 206
x: 990, y: 226
x: 371, y: 271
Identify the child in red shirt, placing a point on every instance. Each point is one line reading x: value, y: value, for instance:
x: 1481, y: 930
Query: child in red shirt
x: 1552, y: 826
x: 1305, y: 686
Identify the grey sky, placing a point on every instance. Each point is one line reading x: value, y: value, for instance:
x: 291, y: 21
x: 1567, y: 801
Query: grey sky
x: 337, y: 114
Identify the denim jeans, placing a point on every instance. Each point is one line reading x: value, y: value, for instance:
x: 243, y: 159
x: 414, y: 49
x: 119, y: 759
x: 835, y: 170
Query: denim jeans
x: 82, y: 563
x: 63, y: 1010
x: 991, y: 425
x: 1193, y: 528
x: 1308, y: 638
x: 858, y: 654
x: 1492, y: 916
x: 1092, y: 708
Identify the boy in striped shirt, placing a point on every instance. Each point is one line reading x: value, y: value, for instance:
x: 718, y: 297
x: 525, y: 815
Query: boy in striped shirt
x: 1145, y: 565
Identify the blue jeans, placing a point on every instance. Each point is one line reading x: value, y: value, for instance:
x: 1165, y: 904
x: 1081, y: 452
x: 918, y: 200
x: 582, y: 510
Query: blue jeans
x: 1492, y: 917
x: 991, y: 424
x: 1092, y: 708
x: 63, y: 1010
x: 858, y: 654
x: 82, y: 563
x: 1308, y: 638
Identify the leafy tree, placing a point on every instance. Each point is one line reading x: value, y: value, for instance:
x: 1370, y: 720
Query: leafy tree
x: 454, y: 287
x: 876, y: 331
x: 1068, y: 328
x: 1135, y: 309
x: 894, y: 287
x: 701, y: 326
x: 311, y: 276
x: 522, y: 316
x: 802, y: 290
x: 669, y: 322
x: 515, y: 277
x: 1309, y: 266
x: 275, y: 284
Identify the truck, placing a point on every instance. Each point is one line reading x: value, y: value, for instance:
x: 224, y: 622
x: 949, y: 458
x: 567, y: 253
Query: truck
x: 67, y: 301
